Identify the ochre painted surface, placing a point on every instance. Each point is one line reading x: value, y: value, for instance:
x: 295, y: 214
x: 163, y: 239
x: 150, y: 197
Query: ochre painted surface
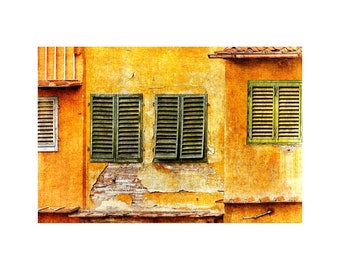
x: 281, y: 213
x: 234, y: 171
x: 183, y: 200
x: 60, y: 174
x: 151, y: 71
x: 57, y: 218
x: 258, y: 172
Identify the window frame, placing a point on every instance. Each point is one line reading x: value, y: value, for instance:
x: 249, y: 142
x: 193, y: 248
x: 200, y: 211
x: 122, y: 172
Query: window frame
x: 115, y: 156
x: 180, y: 157
x: 276, y: 85
x: 54, y: 146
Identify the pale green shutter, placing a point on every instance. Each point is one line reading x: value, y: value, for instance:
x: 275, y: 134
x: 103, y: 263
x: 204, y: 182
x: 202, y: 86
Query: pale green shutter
x: 167, y: 126
x: 129, y: 127
x: 289, y: 113
x: 102, y: 127
x: 193, y: 127
x: 274, y: 112
x: 261, y: 114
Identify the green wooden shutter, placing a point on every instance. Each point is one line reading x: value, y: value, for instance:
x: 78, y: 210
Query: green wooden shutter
x: 261, y: 114
x: 129, y: 126
x: 167, y: 126
x: 193, y: 127
x: 102, y: 127
x: 48, y: 124
x: 289, y: 113
x: 274, y: 112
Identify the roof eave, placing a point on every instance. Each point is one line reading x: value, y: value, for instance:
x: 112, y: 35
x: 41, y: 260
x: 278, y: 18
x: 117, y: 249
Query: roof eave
x: 224, y: 55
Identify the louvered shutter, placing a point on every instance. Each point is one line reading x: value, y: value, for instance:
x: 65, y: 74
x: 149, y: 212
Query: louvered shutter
x: 193, y: 127
x: 102, y: 127
x: 261, y: 117
x: 47, y: 124
x: 167, y: 127
x: 274, y: 112
x: 128, y: 146
x: 289, y: 114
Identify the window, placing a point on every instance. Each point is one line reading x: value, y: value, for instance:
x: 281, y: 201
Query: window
x: 274, y: 112
x: 116, y: 125
x: 180, y: 133
x: 47, y: 124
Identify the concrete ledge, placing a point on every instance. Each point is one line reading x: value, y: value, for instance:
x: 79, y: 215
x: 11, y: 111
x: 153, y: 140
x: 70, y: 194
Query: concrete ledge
x: 58, y: 83
x: 150, y: 216
x: 150, y: 213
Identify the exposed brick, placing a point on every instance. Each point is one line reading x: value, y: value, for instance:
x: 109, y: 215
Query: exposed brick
x: 116, y: 183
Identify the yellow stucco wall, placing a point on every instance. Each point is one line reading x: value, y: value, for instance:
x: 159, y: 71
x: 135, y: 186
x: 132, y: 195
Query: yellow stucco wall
x: 234, y: 171
x: 258, y: 172
x: 286, y: 212
x: 162, y: 70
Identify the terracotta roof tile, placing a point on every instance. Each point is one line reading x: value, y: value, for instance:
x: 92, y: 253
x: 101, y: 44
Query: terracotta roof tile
x: 265, y: 199
x: 257, y: 52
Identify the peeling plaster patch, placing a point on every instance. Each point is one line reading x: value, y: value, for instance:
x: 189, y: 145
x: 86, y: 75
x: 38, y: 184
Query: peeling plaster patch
x: 111, y: 205
x: 288, y: 148
x: 115, y: 180
x: 211, y: 151
x: 203, y: 170
x: 174, y: 177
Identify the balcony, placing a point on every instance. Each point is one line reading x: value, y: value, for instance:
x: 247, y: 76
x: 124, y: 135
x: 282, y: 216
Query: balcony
x: 59, y: 67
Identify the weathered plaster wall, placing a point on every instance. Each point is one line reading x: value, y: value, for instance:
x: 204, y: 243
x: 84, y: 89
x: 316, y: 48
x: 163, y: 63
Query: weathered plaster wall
x: 152, y: 71
x: 258, y: 172
x: 60, y: 174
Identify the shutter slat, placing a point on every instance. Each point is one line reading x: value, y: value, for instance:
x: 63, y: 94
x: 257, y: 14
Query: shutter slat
x: 102, y: 115
x: 167, y: 124
x: 129, y: 111
x: 193, y: 127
